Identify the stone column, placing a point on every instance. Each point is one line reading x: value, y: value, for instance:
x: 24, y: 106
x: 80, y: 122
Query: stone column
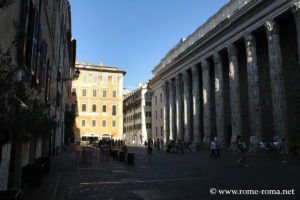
x: 255, y: 115
x: 219, y: 99
x: 206, y: 103
x: 179, y: 108
x: 277, y: 80
x: 187, y: 106
x: 296, y: 12
x: 165, y: 88
x: 196, y: 103
x: 235, y: 97
x: 172, y: 100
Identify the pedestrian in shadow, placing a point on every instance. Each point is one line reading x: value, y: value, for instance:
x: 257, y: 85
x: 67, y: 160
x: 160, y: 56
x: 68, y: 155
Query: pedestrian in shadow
x: 241, y: 145
x: 213, y: 149
x: 293, y: 151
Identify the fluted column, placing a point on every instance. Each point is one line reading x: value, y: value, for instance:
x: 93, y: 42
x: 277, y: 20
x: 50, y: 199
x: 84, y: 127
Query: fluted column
x: 206, y: 102
x: 179, y: 108
x: 187, y: 106
x: 172, y: 97
x: 277, y: 79
x: 196, y: 103
x: 219, y: 99
x: 255, y: 115
x: 296, y: 12
x: 235, y: 96
x: 165, y: 88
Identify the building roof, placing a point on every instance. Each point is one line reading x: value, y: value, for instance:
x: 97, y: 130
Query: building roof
x: 89, y: 67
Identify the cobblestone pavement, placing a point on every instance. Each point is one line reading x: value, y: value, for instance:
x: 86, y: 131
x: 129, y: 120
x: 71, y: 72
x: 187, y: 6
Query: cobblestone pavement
x: 173, y: 176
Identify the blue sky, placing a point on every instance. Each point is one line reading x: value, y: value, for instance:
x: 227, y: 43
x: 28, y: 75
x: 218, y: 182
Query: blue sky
x: 135, y: 35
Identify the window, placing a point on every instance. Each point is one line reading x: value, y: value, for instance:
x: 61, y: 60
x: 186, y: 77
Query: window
x: 162, y: 131
x: 94, y: 108
x: 103, y: 123
x: 95, y: 78
x: 156, y: 131
x: 73, y: 92
x: 161, y: 113
x: 148, y: 114
x: 155, y: 100
x: 84, y: 92
x: 84, y: 77
x: 156, y: 114
x: 104, y: 93
x: 104, y: 108
x: 94, y: 92
x: 83, y: 107
x: 83, y: 123
x: 160, y: 97
x: 114, y: 94
x: 114, y: 80
x: 93, y: 123
x: 114, y: 109
x: 114, y: 123
x: 104, y: 79
x: 148, y: 125
x: 148, y: 103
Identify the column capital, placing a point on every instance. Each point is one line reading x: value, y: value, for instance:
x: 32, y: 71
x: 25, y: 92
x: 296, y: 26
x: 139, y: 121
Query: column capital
x: 164, y: 85
x: 195, y: 70
x: 217, y: 58
x: 185, y: 75
x: 249, y: 39
x: 272, y: 27
x: 296, y: 7
x: 232, y: 49
x: 204, y: 64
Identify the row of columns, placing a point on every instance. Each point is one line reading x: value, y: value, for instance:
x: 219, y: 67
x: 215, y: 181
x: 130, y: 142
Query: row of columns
x: 182, y: 93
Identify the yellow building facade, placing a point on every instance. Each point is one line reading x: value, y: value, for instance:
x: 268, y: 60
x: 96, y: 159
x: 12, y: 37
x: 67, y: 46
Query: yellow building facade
x: 96, y: 98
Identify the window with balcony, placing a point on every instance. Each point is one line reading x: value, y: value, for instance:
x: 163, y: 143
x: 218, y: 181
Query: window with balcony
x: 114, y: 123
x: 94, y: 108
x: 104, y: 94
x: 104, y: 79
x: 114, y: 80
x: 83, y: 107
x: 94, y: 92
x: 114, y: 109
x: 114, y: 94
x: 95, y: 78
x: 84, y: 92
x: 104, y: 108
x: 103, y: 123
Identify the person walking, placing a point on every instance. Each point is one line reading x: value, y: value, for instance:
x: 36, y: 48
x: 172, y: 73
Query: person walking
x: 150, y: 146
